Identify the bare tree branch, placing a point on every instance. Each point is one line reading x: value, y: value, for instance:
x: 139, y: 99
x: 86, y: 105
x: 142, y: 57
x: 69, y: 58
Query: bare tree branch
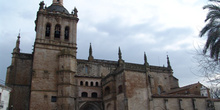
x: 208, y: 67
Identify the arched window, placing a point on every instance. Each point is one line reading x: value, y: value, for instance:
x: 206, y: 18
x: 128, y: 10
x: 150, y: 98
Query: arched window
x: 107, y: 90
x: 91, y: 84
x: 47, y: 32
x: 86, y: 69
x: 159, y: 90
x: 94, y: 95
x: 84, y: 94
x: 149, y: 78
x: 57, y: 31
x: 81, y: 83
x: 96, y: 84
x: 120, y: 89
x: 66, y: 35
x: 87, y: 84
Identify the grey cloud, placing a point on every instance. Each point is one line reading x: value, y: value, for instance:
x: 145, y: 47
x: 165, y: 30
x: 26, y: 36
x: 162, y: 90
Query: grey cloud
x: 105, y: 46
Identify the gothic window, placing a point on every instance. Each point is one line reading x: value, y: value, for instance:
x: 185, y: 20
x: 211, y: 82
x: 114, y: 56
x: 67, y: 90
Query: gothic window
x: 94, y: 95
x: 86, y: 69
x: 87, y: 84
x: 81, y: 83
x: 149, y: 79
x: 91, y: 84
x: 120, y: 89
x: 180, y: 102
x: 57, y: 31
x: 193, y: 103
x: 107, y: 90
x: 84, y: 94
x: 159, y: 90
x: 66, y: 36
x: 47, y: 33
x: 166, y: 103
x: 96, y: 84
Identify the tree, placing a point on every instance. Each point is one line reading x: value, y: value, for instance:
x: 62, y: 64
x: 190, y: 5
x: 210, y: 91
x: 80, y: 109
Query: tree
x: 208, y: 68
x: 212, y: 30
x: 215, y: 92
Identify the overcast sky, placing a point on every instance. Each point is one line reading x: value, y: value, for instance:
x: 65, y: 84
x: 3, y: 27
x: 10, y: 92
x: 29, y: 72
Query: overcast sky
x: 157, y: 27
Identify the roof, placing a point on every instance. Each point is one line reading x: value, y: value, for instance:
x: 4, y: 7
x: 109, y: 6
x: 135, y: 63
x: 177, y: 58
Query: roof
x: 129, y: 66
x: 57, y: 8
x: 183, y: 88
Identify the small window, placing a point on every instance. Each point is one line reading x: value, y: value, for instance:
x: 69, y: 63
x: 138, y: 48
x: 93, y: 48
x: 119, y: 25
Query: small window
x: 66, y: 36
x: 96, y: 84
x: 120, y: 89
x: 159, y: 90
x: 91, y: 84
x: 86, y: 69
x: 45, y: 96
x: 149, y: 79
x: 84, y: 94
x: 87, y: 84
x: 94, y: 95
x: 47, y: 33
x: 57, y: 31
x: 53, y: 98
x: 81, y: 83
x: 194, y: 102
x: 107, y: 90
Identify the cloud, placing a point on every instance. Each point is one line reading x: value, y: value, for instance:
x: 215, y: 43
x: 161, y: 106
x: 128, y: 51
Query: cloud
x: 156, y: 27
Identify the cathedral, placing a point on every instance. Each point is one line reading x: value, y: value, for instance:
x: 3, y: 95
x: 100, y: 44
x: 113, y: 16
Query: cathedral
x: 52, y: 78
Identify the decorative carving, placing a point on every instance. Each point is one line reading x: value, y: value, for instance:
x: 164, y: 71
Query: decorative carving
x: 57, y: 19
x: 46, y: 74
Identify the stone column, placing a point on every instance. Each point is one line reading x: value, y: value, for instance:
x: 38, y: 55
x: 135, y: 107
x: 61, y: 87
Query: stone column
x: 66, y: 80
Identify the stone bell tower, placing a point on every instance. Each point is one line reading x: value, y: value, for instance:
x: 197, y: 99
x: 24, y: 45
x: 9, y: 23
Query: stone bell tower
x: 54, y: 58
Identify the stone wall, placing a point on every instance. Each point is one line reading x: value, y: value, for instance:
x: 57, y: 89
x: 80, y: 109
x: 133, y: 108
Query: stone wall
x: 161, y: 80
x: 121, y: 100
x: 19, y: 79
x: 179, y: 103
x: 20, y: 97
x: 136, y: 90
x: 44, y: 79
x: 217, y: 104
x: 95, y: 68
x: 89, y: 85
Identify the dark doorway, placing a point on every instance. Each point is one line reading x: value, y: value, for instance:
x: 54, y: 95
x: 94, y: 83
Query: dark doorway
x: 89, y: 106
